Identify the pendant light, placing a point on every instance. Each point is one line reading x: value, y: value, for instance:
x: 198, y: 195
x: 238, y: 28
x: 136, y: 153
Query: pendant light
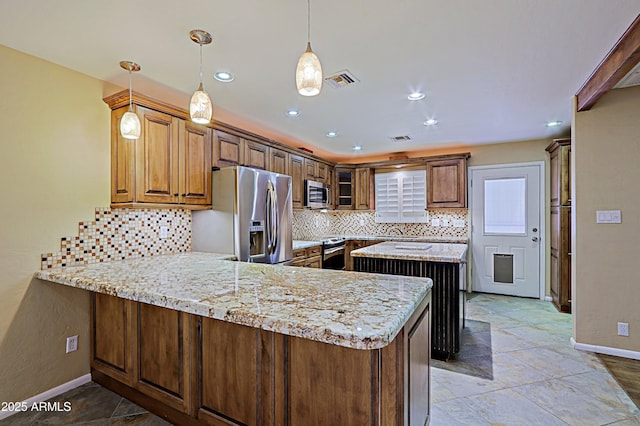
x: 309, y: 70
x: 130, y: 123
x: 200, y: 107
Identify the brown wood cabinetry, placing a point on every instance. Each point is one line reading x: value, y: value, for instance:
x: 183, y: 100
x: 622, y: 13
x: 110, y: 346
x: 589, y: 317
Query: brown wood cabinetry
x: 169, y: 165
x: 278, y: 161
x: 296, y: 171
x: 345, y: 197
x: 323, y: 173
x: 560, y: 200
x: 256, y: 155
x: 310, y: 169
x: 227, y: 149
x: 351, y: 245
x: 310, y: 257
x: 354, y: 188
x: 196, y: 370
x: 447, y: 183
x: 363, y: 188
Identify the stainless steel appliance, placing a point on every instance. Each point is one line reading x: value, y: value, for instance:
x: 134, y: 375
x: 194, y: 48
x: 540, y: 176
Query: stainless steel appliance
x: 333, y: 253
x: 316, y: 195
x: 251, y: 217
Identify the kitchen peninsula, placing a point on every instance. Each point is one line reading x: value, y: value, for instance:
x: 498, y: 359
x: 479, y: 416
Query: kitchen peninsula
x: 445, y: 264
x: 197, y: 339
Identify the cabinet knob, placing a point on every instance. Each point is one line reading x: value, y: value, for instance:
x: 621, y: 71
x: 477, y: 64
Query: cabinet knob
x: 176, y: 194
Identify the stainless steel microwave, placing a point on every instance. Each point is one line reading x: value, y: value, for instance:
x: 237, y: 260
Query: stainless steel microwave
x: 316, y: 195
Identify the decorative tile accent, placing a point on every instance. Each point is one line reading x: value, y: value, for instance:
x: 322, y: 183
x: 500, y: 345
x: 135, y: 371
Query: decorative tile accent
x: 120, y: 234
x: 312, y: 224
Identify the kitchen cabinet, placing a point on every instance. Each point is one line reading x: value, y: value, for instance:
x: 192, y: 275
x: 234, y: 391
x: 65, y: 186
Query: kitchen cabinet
x: 168, y: 166
x: 344, y: 194
x: 310, y: 169
x: 363, y: 186
x: 256, y: 154
x: 278, y: 161
x: 310, y: 257
x: 351, y: 245
x: 323, y: 173
x: 447, y: 182
x: 144, y: 347
x: 296, y: 170
x: 560, y: 201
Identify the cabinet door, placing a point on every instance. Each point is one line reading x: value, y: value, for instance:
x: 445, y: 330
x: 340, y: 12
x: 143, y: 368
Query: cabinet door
x: 296, y: 166
x: 323, y: 173
x: 447, y: 183
x: 123, y: 167
x: 344, y: 192
x: 112, y: 335
x: 310, y: 169
x: 565, y: 175
x: 256, y: 155
x: 363, y: 187
x: 278, y: 161
x: 195, y: 152
x: 227, y: 149
x: 418, y: 374
x: 157, y: 171
x: 163, y: 355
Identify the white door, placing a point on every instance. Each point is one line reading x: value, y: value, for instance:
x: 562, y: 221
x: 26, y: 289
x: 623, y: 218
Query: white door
x: 506, y: 234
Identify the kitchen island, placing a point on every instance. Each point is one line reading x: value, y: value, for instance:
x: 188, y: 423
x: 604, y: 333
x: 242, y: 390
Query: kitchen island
x: 445, y: 264
x: 200, y: 340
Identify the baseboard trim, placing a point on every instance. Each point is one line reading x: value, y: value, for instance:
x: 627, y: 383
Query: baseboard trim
x: 623, y: 353
x: 72, y: 384
x: 548, y: 299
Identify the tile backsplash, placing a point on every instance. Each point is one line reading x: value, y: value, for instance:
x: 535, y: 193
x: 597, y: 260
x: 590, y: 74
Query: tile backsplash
x: 312, y: 224
x: 118, y: 234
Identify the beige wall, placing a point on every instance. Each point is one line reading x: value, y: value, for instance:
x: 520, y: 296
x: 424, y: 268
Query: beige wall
x: 606, y: 287
x: 54, y: 169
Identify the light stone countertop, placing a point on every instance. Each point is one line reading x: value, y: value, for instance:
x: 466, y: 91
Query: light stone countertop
x: 351, y: 309
x: 301, y: 244
x: 438, y: 252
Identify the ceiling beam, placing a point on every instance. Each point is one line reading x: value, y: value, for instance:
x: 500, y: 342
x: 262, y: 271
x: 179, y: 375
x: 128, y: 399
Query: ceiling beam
x: 619, y: 61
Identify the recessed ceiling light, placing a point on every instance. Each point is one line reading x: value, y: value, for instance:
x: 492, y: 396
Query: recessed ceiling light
x: 430, y: 122
x: 224, y: 76
x: 292, y: 113
x: 331, y: 134
x: 357, y: 148
x: 554, y: 123
x: 416, y: 96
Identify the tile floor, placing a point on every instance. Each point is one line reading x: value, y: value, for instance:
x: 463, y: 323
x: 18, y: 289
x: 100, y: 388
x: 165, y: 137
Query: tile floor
x: 516, y: 367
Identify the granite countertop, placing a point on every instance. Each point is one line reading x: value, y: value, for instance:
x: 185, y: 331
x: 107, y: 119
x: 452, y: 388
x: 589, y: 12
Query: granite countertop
x: 407, y: 238
x: 435, y: 252
x: 301, y: 244
x: 351, y: 309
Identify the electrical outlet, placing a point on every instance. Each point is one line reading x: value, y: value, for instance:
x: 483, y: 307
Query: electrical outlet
x: 72, y: 344
x: 361, y: 222
x: 458, y: 223
x: 623, y: 329
x: 164, y: 232
x: 435, y: 222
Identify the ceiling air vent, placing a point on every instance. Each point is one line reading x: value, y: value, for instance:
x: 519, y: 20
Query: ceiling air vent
x: 341, y: 79
x: 400, y: 138
x: 631, y: 79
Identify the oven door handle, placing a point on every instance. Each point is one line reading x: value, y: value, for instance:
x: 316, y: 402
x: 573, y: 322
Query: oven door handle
x: 333, y: 250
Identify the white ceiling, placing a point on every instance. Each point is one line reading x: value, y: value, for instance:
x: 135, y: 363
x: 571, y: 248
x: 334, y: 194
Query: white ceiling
x: 492, y: 70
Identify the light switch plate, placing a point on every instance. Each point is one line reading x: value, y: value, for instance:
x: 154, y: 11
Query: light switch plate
x: 608, y: 216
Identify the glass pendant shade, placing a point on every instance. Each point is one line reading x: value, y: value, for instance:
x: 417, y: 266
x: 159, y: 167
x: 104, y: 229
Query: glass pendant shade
x: 130, y: 125
x: 309, y: 73
x: 200, y: 107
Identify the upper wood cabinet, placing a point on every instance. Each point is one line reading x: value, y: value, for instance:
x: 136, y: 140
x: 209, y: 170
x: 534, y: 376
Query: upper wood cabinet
x: 363, y: 186
x: 278, y: 161
x: 227, y: 149
x: 345, y: 197
x: 169, y: 165
x: 296, y: 171
x: 256, y: 154
x: 323, y: 173
x: 447, y: 183
x: 310, y: 169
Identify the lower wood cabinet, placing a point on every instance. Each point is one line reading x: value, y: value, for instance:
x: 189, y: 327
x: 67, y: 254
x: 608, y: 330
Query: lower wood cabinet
x: 351, y: 245
x: 310, y: 257
x: 195, y: 370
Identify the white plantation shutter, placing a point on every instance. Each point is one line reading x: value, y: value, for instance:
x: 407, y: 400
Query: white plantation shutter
x: 401, y: 196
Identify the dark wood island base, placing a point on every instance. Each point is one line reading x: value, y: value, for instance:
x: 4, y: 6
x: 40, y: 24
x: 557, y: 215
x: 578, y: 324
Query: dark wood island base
x: 191, y: 370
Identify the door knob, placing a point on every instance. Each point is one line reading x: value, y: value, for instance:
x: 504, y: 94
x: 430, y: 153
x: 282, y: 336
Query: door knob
x: 534, y: 239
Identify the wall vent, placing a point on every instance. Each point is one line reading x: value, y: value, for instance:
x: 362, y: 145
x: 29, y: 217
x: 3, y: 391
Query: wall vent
x: 400, y: 138
x: 631, y: 79
x: 341, y: 79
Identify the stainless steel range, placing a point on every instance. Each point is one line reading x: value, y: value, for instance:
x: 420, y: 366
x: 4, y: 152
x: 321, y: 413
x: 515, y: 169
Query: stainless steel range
x: 333, y: 253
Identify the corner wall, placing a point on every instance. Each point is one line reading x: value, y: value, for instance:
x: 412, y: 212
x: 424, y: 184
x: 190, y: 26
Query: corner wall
x: 54, y: 169
x: 606, y: 158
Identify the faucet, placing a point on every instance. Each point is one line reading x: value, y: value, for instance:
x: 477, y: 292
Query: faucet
x: 396, y: 230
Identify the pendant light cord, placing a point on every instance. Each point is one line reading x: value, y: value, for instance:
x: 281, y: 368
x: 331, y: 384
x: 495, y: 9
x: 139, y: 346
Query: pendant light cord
x: 130, y: 108
x: 308, y: 21
x: 200, y: 64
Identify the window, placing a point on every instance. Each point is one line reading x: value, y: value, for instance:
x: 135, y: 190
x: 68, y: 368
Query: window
x: 505, y: 206
x: 401, y: 196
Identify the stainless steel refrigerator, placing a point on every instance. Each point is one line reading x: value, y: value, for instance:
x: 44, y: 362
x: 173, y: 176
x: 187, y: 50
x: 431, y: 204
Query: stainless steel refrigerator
x: 251, y: 217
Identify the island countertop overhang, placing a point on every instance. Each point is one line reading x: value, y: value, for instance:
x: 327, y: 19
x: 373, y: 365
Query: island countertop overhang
x: 437, y: 252
x: 350, y: 309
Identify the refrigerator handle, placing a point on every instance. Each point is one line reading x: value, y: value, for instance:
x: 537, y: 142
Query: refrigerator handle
x: 268, y: 218
x: 274, y: 219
